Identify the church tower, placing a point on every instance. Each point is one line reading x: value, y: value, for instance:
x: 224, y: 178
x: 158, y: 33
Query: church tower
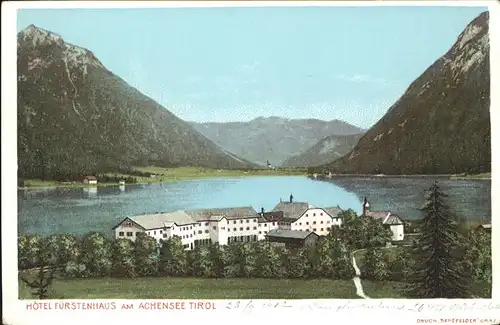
x: 366, y: 206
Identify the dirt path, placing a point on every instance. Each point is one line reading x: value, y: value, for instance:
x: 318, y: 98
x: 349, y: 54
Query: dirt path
x: 357, y: 280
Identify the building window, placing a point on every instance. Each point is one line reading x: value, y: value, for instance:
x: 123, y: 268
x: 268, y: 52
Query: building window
x: 321, y: 229
x: 314, y: 222
x: 254, y: 228
x: 328, y: 228
x: 161, y: 231
x: 307, y: 223
x: 265, y: 225
x: 259, y: 224
x: 248, y: 228
x: 130, y: 234
x: 200, y: 232
x: 164, y: 235
x: 154, y: 233
x: 254, y: 220
x: 248, y: 221
x: 241, y: 228
x: 128, y: 224
x: 206, y: 231
x: 120, y: 233
x: 214, y: 228
x: 260, y: 232
x: 314, y: 229
x: 314, y: 214
x: 274, y: 223
x: 234, y: 229
x: 241, y: 221
x: 206, y: 223
x: 234, y: 222
x: 190, y: 227
x: 300, y: 223
x: 191, y: 235
x: 321, y: 214
x: 321, y: 221
x: 228, y: 229
x: 223, y: 228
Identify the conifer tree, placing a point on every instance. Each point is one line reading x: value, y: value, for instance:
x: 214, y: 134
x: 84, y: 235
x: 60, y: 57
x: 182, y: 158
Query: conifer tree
x: 438, y: 272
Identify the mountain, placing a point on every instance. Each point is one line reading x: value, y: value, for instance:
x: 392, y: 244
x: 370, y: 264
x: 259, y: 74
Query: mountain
x: 75, y: 116
x: 272, y: 139
x: 441, y: 125
x: 325, y: 151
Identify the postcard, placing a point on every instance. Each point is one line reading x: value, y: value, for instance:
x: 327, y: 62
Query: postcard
x: 240, y: 161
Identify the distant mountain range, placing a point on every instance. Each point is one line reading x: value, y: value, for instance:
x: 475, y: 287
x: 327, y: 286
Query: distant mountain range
x: 75, y: 116
x: 272, y: 139
x: 441, y: 125
x: 325, y: 151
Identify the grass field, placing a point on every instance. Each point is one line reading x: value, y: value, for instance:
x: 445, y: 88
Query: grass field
x: 174, y: 174
x: 191, y: 288
x: 383, y: 289
x: 200, y: 288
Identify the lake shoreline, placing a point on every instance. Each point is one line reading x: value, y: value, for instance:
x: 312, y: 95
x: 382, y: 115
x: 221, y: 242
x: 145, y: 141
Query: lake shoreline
x: 322, y: 177
x: 381, y: 176
x: 153, y: 181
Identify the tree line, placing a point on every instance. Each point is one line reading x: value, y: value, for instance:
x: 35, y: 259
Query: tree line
x: 96, y: 255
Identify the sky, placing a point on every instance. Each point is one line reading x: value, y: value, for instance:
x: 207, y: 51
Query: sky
x: 237, y: 64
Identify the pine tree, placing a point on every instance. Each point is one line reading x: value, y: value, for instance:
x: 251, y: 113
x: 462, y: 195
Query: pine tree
x: 438, y: 272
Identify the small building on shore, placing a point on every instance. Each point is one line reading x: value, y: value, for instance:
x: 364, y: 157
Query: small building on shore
x: 293, y: 238
x: 90, y: 180
x: 484, y: 227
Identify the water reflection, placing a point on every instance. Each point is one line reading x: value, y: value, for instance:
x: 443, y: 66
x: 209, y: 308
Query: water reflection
x: 90, y: 191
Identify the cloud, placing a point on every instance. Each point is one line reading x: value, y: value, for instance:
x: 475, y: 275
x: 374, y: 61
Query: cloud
x: 363, y: 78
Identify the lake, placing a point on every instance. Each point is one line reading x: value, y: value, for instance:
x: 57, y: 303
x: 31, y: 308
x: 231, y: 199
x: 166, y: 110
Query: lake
x: 80, y: 210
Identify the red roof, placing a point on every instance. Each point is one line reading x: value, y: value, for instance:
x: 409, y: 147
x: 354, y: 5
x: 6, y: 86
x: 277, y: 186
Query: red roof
x: 380, y: 215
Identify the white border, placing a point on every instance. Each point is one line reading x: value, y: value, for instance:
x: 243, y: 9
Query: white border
x: 336, y: 311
